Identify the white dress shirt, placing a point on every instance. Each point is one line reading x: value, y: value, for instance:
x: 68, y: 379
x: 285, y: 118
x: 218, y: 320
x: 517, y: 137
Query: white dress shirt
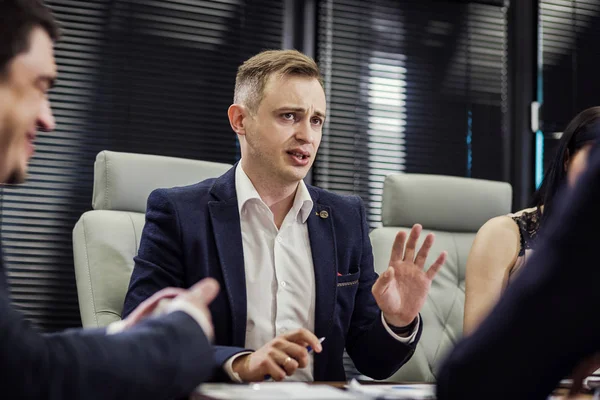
x: 279, y: 271
x: 280, y: 278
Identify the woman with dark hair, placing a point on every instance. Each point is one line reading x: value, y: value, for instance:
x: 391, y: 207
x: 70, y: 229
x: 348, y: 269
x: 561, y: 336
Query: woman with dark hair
x: 504, y: 243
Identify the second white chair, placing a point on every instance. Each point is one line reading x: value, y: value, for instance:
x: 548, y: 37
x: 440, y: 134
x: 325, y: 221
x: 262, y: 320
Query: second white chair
x: 454, y: 209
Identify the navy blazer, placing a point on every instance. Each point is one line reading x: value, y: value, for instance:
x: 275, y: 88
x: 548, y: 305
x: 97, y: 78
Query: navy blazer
x: 159, y: 358
x: 193, y: 232
x: 547, y: 320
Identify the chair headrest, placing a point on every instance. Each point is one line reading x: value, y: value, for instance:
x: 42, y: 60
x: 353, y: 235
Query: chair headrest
x: 443, y: 203
x: 123, y: 181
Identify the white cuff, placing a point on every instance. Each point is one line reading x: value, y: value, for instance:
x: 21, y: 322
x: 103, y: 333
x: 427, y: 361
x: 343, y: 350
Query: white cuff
x: 166, y: 306
x: 115, y: 327
x: 408, y: 339
x: 179, y: 304
x: 228, y: 366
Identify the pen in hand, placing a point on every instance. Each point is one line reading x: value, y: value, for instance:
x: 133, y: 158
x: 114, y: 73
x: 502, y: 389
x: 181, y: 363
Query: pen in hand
x: 309, y: 349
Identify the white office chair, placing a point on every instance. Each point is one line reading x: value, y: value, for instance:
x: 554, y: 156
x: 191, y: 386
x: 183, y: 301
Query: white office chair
x: 454, y: 209
x: 106, y: 239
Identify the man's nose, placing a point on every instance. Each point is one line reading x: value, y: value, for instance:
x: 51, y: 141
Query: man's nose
x: 46, y: 121
x: 304, y: 132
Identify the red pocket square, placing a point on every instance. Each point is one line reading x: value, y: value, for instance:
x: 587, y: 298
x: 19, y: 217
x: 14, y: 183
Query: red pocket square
x: 339, y: 274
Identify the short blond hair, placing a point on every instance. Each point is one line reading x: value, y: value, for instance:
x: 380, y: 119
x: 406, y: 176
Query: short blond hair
x: 254, y: 73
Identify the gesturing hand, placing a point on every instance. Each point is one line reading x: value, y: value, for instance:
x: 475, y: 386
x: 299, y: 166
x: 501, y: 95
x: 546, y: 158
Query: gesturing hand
x: 148, y: 306
x: 278, y: 358
x: 198, y: 296
x: 402, y: 289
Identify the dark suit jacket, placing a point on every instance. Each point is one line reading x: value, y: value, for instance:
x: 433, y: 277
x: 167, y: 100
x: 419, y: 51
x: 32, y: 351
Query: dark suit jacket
x: 548, y: 319
x: 194, y: 232
x: 157, y: 359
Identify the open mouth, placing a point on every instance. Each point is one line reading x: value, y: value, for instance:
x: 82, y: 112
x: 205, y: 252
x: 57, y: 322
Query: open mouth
x: 300, y: 156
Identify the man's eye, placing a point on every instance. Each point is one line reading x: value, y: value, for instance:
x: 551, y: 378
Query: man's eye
x: 288, y: 116
x: 43, y: 89
x: 317, y: 121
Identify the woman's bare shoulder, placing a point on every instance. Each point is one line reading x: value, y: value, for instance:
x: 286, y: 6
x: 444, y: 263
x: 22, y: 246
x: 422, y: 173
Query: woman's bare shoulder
x: 498, y: 241
x: 500, y: 227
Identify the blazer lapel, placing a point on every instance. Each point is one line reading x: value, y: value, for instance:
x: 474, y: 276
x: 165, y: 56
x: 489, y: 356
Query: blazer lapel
x: 323, y: 247
x: 225, y: 220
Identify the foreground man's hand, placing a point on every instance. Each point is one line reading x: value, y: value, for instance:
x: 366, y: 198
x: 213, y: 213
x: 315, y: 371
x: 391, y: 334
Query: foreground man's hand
x: 198, y: 296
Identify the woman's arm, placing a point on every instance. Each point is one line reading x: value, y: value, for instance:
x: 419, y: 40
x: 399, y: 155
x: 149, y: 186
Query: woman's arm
x: 494, y: 251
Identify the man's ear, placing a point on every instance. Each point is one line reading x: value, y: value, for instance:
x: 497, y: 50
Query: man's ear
x: 237, y: 114
x: 567, y: 160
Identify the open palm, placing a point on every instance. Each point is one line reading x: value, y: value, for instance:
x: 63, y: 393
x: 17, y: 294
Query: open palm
x: 402, y: 289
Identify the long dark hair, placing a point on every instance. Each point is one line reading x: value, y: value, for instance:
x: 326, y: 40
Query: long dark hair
x: 583, y: 129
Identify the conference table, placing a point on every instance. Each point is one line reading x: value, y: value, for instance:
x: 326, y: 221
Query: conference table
x: 559, y: 394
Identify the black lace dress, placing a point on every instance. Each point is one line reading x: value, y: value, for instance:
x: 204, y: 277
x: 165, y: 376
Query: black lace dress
x: 528, y: 221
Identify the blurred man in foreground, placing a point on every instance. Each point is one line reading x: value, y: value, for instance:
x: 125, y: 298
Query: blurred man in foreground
x: 156, y: 358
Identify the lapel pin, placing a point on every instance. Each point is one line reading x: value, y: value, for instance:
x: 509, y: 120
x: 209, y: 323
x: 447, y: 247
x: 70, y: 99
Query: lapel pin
x: 324, y: 214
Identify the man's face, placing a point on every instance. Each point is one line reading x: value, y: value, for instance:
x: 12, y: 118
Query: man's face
x: 283, y: 137
x: 24, y: 105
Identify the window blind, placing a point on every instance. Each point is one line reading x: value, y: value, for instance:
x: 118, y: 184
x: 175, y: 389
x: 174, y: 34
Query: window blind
x: 568, y: 41
x: 413, y: 86
x: 141, y: 76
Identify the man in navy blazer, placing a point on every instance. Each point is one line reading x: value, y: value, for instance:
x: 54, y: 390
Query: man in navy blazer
x: 295, y: 261
x: 138, y: 358
x: 546, y: 323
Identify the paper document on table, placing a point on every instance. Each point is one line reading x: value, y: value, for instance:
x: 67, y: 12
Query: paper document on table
x: 419, y: 391
x: 592, y: 382
x: 273, y: 390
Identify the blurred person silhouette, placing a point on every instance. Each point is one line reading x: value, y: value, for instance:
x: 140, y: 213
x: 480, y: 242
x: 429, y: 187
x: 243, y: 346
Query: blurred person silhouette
x: 545, y: 325
x: 503, y: 245
x: 138, y: 358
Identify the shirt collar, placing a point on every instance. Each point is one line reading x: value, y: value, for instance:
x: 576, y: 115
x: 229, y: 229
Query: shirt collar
x: 245, y: 190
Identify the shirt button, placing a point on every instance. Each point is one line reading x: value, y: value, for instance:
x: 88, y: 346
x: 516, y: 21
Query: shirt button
x: 279, y: 239
x: 283, y: 284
